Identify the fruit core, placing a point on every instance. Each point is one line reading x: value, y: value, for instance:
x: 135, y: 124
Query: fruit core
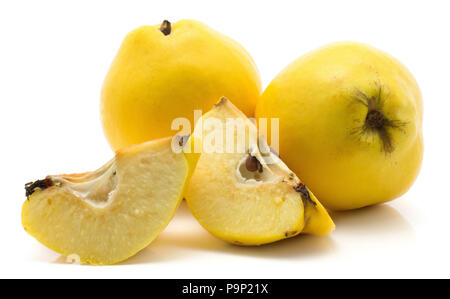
x: 256, y: 167
x: 252, y: 164
x: 95, y: 188
x: 250, y: 170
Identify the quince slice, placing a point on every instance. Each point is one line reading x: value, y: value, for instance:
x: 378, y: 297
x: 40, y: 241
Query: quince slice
x: 106, y: 216
x: 247, y: 196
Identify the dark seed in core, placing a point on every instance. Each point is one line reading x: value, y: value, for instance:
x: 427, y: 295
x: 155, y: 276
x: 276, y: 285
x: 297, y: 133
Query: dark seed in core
x: 252, y: 164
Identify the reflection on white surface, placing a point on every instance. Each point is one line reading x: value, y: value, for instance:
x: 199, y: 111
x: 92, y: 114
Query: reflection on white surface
x: 372, y: 222
x: 185, y: 237
x: 375, y: 229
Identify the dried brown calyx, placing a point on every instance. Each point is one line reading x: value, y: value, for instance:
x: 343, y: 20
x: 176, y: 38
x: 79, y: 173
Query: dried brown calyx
x: 165, y: 27
x: 375, y: 120
x: 40, y: 184
x: 96, y: 188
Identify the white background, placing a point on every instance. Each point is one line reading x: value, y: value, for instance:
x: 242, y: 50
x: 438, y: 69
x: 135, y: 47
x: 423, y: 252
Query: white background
x: 55, y: 54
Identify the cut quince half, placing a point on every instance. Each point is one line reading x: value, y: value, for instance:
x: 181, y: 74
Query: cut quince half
x: 247, y: 196
x: 106, y: 216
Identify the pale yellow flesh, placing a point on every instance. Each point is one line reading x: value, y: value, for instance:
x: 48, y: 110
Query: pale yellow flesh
x: 249, y: 213
x: 150, y: 183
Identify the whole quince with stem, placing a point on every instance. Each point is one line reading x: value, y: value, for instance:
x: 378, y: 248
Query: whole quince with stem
x: 167, y: 71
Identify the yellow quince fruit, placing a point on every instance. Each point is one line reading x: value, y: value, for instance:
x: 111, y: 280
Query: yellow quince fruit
x: 350, y: 119
x: 167, y: 71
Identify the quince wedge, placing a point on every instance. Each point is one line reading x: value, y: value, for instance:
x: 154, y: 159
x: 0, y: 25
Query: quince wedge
x: 106, y: 216
x: 247, y: 195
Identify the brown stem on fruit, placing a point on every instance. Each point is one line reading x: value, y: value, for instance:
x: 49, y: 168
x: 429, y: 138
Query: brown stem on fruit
x: 165, y: 27
x: 41, y: 184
